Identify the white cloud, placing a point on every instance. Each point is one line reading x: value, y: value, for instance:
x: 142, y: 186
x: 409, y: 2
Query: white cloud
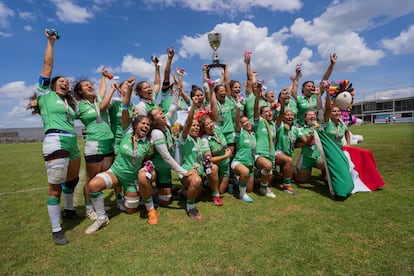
x: 5, y: 35
x: 391, y: 94
x: 229, y: 6
x: 5, y: 13
x: 336, y: 30
x: 28, y: 16
x: 28, y: 28
x: 402, y: 44
x: 269, y: 57
x: 69, y: 12
x: 137, y: 67
x: 17, y: 90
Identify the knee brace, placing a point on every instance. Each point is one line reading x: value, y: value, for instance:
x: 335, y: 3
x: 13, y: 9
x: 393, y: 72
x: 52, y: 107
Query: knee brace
x: 263, y: 172
x: 166, y: 198
x: 56, y: 170
x: 131, y: 202
x: 72, y: 183
x: 106, y: 178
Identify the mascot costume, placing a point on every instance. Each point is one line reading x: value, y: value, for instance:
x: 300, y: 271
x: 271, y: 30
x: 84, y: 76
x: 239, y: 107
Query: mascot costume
x: 342, y: 95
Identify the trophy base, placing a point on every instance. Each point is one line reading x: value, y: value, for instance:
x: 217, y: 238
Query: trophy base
x: 215, y: 65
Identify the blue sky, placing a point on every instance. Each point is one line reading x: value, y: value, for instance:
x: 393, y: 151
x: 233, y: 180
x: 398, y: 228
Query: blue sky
x: 374, y: 41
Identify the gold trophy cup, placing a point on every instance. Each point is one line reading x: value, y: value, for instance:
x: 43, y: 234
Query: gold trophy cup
x: 215, y: 39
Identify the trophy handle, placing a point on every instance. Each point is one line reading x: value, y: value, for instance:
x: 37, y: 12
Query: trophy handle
x: 214, y: 65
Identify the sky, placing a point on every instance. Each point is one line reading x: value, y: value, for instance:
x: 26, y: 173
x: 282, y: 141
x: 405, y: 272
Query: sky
x: 373, y: 39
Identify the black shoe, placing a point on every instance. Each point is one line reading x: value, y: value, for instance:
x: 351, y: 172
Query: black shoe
x: 70, y: 214
x: 59, y: 238
x: 194, y: 214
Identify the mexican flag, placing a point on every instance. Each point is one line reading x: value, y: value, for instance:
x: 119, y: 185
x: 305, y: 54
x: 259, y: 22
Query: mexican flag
x: 349, y: 170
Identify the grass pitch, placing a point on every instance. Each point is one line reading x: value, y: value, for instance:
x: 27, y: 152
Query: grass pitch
x: 307, y: 234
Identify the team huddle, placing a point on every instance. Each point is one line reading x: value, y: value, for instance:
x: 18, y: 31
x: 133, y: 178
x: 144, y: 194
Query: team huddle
x: 215, y: 138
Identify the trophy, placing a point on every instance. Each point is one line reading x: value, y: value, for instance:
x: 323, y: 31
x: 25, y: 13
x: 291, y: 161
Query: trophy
x: 215, y: 39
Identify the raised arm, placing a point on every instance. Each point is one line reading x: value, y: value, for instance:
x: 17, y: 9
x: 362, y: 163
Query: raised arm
x: 295, y: 81
x: 157, y: 77
x: 107, y: 97
x: 279, y: 118
x: 328, y: 72
x: 213, y: 104
x: 328, y: 108
x: 167, y: 70
x: 205, y: 81
x: 189, y: 121
x: 227, y: 80
x: 179, y: 81
x: 256, y: 113
x: 126, y: 102
x: 48, y: 58
x: 102, y: 84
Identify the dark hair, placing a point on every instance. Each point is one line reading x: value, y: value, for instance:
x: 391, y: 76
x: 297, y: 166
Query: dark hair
x: 77, y: 89
x: 305, y: 83
x: 216, y: 88
x: 194, y: 89
x: 69, y: 96
x: 135, y: 120
x: 261, y: 109
x: 35, y: 109
x: 138, y: 87
x: 232, y: 83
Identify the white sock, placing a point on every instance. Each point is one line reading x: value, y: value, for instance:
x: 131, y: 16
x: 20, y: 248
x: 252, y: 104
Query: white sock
x: 54, y: 215
x: 99, y: 206
x: 149, y: 206
x: 190, y: 206
x: 242, y: 191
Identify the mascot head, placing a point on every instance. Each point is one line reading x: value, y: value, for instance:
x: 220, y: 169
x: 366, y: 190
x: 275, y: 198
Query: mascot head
x: 342, y: 94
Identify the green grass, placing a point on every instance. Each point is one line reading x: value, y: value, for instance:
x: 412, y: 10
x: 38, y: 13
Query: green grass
x: 366, y: 234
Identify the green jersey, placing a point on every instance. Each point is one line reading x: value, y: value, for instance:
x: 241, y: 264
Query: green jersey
x: 310, y: 150
x: 192, y: 153
x: 286, y: 138
x: 145, y: 106
x: 249, y: 106
x: 166, y: 138
x: 305, y: 104
x: 55, y: 111
x: 216, y: 143
x: 291, y: 105
x: 130, y: 156
x: 265, y: 137
x: 167, y: 99
x: 335, y: 131
x: 246, y: 147
x: 97, y: 128
x: 225, y: 113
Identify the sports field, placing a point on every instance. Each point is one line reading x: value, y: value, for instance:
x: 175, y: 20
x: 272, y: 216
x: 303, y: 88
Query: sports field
x: 305, y: 234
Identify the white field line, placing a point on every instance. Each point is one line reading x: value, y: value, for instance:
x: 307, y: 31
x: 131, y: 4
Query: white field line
x: 81, y: 178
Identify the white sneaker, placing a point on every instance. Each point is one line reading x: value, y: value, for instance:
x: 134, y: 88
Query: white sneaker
x: 267, y: 192
x: 98, y: 224
x: 90, y: 214
x: 121, y: 204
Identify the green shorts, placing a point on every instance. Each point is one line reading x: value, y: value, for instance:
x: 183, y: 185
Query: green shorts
x: 223, y: 168
x: 307, y: 163
x: 61, y: 141
x: 102, y: 147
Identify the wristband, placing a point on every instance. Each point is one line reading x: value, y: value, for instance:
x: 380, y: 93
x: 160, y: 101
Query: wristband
x: 125, y: 107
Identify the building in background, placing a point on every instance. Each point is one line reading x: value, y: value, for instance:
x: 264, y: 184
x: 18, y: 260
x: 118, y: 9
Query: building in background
x: 382, y: 111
